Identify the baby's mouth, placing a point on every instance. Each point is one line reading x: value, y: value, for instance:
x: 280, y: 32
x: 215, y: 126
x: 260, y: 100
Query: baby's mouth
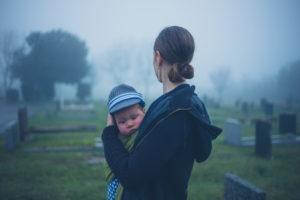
x: 132, y: 131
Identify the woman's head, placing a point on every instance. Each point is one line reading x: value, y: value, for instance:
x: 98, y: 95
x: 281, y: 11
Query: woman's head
x: 176, y: 47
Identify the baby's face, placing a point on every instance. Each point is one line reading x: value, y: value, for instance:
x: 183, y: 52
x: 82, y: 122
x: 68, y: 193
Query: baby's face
x: 129, y: 119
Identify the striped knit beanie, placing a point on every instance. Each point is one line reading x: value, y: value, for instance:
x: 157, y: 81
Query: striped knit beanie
x: 123, y: 96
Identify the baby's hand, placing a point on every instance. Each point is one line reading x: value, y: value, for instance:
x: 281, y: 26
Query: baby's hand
x: 109, y: 120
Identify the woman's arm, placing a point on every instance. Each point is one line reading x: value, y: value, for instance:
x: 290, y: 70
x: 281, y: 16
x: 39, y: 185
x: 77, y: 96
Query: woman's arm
x: 149, y: 158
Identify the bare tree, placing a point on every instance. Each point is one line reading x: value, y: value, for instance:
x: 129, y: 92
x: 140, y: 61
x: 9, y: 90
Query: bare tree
x: 289, y: 83
x: 145, y: 69
x: 8, y: 44
x: 220, y: 80
x: 117, y: 63
x: 129, y: 63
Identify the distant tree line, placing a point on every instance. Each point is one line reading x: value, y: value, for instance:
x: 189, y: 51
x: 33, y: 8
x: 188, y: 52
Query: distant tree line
x: 58, y: 56
x: 283, y: 87
x: 289, y: 82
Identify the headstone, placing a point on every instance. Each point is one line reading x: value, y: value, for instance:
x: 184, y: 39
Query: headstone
x: 251, y: 106
x: 287, y: 123
x: 11, y: 136
x: 237, y: 103
x: 232, y: 132
x: 245, y: 107
x: 268, y: 108
x: 23, y: 123
x: 238, y: 189
x: 263, y: 140
x: 263, y: 101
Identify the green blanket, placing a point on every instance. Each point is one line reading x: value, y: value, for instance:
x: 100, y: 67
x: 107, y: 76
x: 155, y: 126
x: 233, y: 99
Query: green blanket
x: 128, y: 142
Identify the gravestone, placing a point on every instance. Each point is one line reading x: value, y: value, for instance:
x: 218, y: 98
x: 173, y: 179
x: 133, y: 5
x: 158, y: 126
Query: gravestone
x: 238, y: 189
x: 263, y: 140
x: 11, y: 136
x: 232, y: 132
x: 287, y: 123
x: 23, y: 123
x: 237, y: 103
x: 267, y: 107
x: 245, y: 107
x: 251, y: 106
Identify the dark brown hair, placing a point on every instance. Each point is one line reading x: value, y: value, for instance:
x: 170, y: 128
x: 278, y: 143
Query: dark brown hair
x: 176, y: 46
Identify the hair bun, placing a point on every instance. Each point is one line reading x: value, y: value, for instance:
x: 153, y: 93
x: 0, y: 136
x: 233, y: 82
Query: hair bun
x: 186, y: 71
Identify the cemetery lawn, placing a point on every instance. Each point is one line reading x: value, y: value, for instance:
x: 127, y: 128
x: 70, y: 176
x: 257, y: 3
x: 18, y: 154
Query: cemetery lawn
x: 71, y: 175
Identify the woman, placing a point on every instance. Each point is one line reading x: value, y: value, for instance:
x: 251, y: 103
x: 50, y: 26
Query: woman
x: 176, y: 129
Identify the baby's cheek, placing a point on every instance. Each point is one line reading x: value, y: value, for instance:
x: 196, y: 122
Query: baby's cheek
x: 140, y: 121
x: 125, y: 132
x: 121, y: 129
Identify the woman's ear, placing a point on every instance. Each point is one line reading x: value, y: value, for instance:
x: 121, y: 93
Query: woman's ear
x: 158, y: 58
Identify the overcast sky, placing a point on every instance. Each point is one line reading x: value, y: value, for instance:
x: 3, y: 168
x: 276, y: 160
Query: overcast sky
x: 254, y: 37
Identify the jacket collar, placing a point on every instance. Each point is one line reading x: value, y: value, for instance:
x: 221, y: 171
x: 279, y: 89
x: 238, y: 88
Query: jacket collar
x: 176, y: 99
x: 182, y: 98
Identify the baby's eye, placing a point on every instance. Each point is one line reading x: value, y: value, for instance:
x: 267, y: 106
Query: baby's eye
x: 134, y: 117
x: 121, y: 122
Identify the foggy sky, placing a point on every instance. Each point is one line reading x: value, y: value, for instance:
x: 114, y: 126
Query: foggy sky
x: 255, y: 38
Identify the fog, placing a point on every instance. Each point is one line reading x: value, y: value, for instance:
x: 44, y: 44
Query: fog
x: 252, y: 39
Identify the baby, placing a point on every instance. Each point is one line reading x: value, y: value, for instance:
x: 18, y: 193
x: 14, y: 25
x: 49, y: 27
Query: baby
x: 126, y: 107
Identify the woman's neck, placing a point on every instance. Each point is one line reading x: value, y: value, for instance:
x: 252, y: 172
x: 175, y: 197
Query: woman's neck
x: 168, y: 86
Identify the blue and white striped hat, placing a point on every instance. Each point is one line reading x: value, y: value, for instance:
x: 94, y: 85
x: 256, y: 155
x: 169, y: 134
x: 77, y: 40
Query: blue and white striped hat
x: 123, y: 96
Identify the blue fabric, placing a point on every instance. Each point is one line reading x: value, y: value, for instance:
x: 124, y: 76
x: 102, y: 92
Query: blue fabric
x: 112, y: 189
x: 178, y: 119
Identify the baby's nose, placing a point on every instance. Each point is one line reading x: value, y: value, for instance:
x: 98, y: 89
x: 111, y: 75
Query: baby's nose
x: 129, y: 123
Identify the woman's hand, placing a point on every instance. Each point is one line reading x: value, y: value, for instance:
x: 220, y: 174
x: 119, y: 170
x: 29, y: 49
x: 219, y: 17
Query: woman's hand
x: 109, y: 120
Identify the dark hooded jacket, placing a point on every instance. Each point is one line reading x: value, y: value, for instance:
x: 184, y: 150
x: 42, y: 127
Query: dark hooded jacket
x: 176, y: 130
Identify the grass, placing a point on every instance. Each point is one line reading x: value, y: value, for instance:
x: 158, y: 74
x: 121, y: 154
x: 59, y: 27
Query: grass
x: 64, y: 139
x: 279, y: 176
x: 50, y: 176
x: 70, y: 176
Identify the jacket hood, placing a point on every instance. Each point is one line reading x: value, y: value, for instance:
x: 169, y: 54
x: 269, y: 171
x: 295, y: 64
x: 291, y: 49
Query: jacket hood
x: 204, y: 131
x: 183, y: 97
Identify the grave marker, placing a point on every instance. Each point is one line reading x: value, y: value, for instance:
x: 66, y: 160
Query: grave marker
x: 245, y: 107
x: 23, y: 123
x: 11, y: 136
x: 267, y: 107
x: 238, y: 189
x: 232, y: 131
x: 263, y: 140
